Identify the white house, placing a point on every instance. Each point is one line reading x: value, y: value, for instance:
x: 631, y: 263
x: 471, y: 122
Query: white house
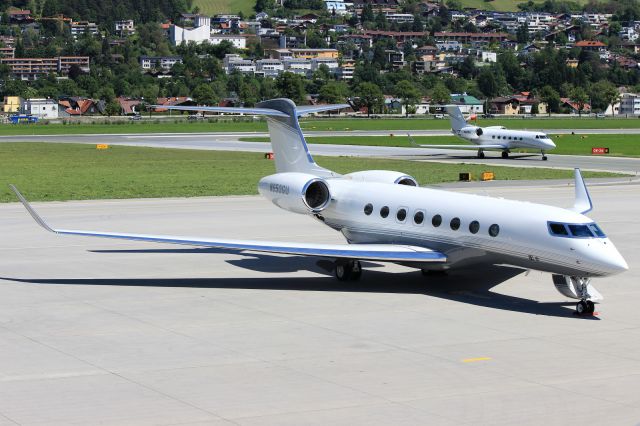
x: 164, y: 62
x: 489, y: 56
x: 336, y: 7
x: 629, y: 104
x: 238, y: 41
x: 125, y: 27
x: 178, y: 35
x: 41, y: 108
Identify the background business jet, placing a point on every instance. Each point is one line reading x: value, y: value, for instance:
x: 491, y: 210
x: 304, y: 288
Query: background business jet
x: 385, y: 216
x: 493, y: 137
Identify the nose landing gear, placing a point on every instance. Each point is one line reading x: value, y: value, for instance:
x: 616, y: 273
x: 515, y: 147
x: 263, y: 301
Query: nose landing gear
x: 578, y: 288
x: 544, y: 157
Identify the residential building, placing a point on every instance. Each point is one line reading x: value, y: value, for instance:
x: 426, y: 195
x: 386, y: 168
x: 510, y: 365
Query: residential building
x: 34, y: 68
x: 159, y: 62
x: 297, y: 65
x: 519, y: 103
x: 124, y: 28
x: 39, y: 107
x: 7, y: 52
x: 471, y: 37
x: 629, y: 104
x: 20, y: 16
x: 11, y: 104
x: 592, y: 45
x: 336, y: 7
x: 468, y: 104
x: 76, y: 106
x: 489, y: 56
x: 233, y: 62
x: 314, y: 53
x: 269, y: 67
x: 238, y: 41
x: 330, y: 63
x: 83, y: 27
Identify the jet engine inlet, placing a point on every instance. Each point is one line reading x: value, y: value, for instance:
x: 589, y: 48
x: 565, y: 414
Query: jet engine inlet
x: 479, y: 131
x: 316, y: 195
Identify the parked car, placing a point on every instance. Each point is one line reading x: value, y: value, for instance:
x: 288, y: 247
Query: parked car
x: 438, y: 116
x: 195, y: 117
x: 136, y: 117
x: 487, y: 115
x: 600, y: 115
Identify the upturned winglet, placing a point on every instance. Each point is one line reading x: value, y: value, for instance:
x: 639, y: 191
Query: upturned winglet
x: 582, y: 203
x: 30, y: 209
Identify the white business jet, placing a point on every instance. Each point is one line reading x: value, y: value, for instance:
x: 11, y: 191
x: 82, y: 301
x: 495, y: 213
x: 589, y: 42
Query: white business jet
x: 385, y: 216
x: 493, y: 137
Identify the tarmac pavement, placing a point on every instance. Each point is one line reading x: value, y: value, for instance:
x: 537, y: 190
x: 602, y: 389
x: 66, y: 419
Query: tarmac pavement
x: 113, y: 332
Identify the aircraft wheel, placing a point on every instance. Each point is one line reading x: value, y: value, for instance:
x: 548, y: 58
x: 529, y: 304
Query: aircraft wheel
x: 544, y: 158
x: 505, y: 154
x: 343, y: 272
x: 356, y: 270
x: 582, y: 307
x: 480, y: 154
x: 591, y: 307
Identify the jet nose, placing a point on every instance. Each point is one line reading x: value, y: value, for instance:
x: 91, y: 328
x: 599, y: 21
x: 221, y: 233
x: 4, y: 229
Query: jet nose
x: 616, y: 263
x: 549, y: 143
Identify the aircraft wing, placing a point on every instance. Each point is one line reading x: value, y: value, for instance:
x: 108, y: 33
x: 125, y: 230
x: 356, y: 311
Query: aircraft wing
x: 493, y: 146
x: 301, y: 110
x: 376, y: 252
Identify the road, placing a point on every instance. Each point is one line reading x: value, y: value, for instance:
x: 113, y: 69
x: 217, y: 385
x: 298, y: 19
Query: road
x: 229, y: 142
x: 95, y: 331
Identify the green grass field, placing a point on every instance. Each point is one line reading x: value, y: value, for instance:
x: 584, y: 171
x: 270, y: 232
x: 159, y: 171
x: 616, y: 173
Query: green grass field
x: 214, y: 7
x: 500, y: 5
x: 391, y: 124
x: 46, y: 172
x: 619, y: 145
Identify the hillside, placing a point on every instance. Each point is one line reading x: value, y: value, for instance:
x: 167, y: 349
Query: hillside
x: 501, y: 5
x: 213, y: 7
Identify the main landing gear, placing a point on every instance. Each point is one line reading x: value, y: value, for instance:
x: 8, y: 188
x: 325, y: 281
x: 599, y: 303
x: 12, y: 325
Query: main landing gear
x: 584, y: 307
x: 505, y: 154
x: 480, y: 153
x: 544, y: 157
x: 346, y: 270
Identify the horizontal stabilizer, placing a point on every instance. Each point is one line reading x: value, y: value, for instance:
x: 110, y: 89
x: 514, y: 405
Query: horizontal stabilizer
x: 379, y: 252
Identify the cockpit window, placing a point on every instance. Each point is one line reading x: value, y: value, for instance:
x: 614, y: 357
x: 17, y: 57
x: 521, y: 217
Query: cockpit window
x: 575, y: 230
x: 596, y: 230
x: 558, y: 229
x: 580, y: 231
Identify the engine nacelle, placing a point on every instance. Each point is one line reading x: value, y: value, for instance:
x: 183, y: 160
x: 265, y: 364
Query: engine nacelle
x: 382, y: 176
x: 296, y: 192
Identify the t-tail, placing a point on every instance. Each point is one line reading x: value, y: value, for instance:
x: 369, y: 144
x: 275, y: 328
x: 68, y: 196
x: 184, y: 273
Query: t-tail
x: 456, y: 118
x: 289, y: 146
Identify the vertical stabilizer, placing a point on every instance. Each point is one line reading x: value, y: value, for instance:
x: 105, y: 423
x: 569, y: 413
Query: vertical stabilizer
x: 289, y: 146
x: 456, y: 118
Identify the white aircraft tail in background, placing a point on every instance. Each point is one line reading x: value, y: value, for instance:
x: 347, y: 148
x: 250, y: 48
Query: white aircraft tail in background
x: 493, y: 137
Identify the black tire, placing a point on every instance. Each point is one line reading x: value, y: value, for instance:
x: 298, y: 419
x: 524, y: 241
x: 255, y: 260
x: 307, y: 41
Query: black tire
x: 481, y: 155
x: 342, y: 271
x: 591, y: 307
x: 356, y: 270
x: 544, y: 158
x: 582, y: 308
x: 505, y: 154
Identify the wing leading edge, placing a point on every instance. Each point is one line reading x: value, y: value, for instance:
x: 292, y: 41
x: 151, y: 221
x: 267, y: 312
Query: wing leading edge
x: 379, y: 252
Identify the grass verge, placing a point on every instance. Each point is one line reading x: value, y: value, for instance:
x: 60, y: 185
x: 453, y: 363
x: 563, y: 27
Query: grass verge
x: 77, y: 172
x: 181, y: 125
